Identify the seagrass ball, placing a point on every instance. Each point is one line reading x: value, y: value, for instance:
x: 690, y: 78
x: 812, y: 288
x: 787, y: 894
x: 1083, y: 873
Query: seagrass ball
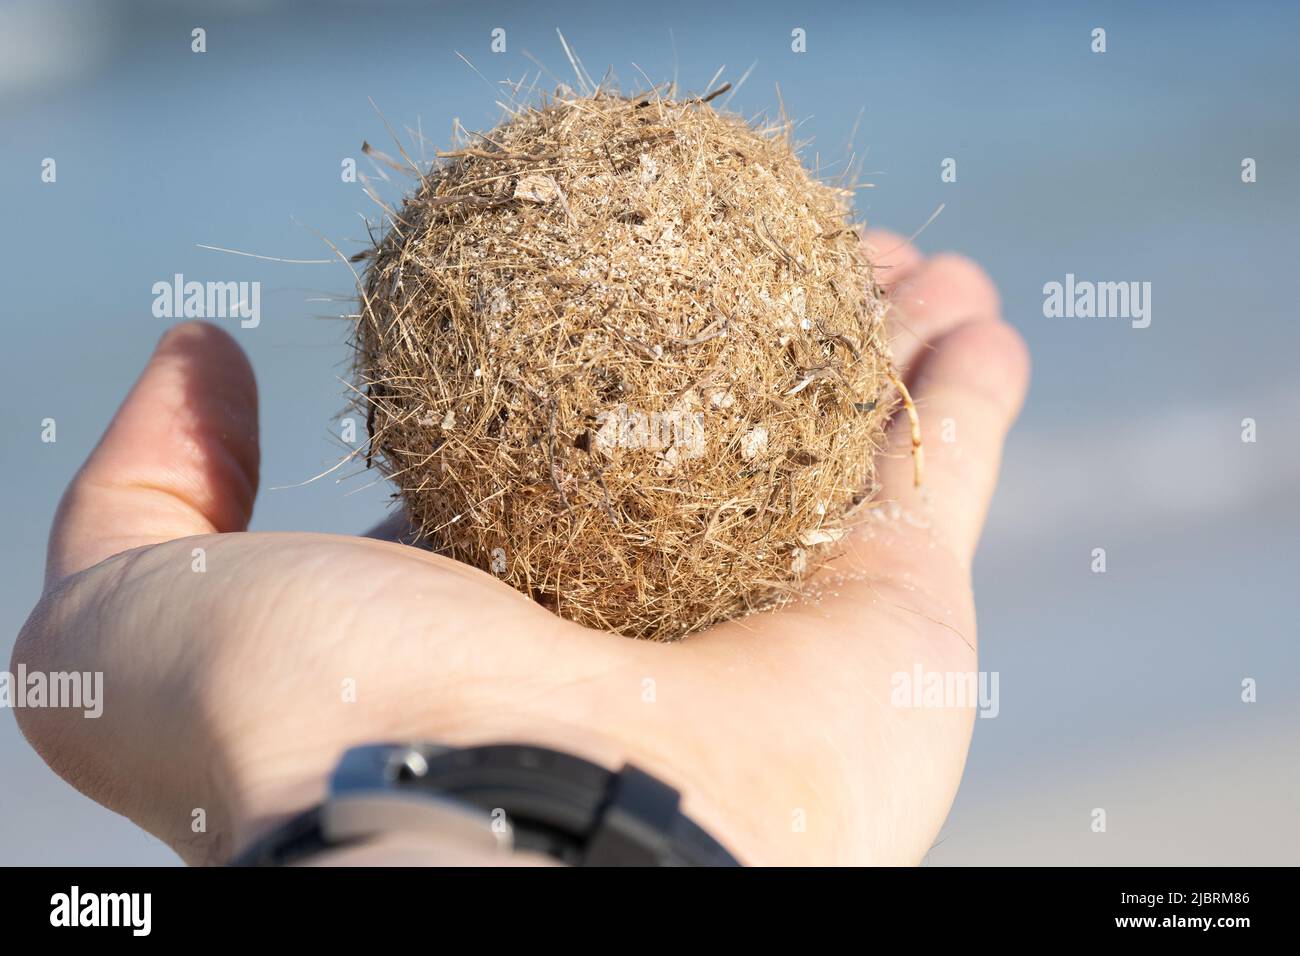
x: 627, y: 354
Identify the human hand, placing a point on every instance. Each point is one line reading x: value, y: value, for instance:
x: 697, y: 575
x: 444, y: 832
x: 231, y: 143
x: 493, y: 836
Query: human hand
x: 223, y: 687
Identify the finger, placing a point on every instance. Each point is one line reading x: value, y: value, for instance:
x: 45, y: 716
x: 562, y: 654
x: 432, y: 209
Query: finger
x: 891, y: 255
x: 179, y: 458
x: 940, y: 294
x: 968, y: 391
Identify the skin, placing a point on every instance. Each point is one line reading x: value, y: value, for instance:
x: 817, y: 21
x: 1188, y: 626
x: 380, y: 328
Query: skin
x: 223, y: 689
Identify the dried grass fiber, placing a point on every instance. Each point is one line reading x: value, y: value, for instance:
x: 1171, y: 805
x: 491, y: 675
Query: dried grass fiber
x: 627, y: 354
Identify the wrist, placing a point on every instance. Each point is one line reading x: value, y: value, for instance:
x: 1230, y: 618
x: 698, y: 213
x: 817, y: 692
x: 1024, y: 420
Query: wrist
x: 552, y: 789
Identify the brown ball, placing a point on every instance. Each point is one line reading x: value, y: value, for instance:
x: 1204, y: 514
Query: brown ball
x: 627, y: 355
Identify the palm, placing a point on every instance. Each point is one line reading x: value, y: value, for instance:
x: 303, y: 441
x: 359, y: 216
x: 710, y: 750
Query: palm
x: 249, y: 678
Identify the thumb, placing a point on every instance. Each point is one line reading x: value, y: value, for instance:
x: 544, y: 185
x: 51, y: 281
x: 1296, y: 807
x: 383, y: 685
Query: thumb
x: 179, y: 458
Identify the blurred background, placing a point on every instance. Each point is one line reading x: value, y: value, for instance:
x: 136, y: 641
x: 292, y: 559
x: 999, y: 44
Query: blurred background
x: 1119, y: 690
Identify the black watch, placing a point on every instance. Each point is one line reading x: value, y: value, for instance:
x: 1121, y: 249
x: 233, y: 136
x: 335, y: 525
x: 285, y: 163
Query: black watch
x: 503, y: 797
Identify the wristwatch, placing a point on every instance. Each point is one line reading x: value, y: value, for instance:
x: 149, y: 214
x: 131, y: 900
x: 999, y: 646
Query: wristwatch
x: 501, y: 798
